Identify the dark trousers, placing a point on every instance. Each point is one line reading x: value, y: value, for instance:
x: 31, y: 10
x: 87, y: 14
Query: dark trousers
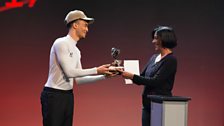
x: 57, y: 107
x: 146, y: 111
x: 146, y: 117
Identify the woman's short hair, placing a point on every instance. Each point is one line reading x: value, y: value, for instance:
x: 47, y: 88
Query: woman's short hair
x: 166, y: 35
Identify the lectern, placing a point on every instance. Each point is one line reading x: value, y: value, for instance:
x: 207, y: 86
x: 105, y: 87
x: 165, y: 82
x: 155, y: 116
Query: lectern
x: 169, y: 110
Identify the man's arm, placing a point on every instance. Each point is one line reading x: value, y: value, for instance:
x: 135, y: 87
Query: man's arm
x: 68, y: 64
x: 88, y: 79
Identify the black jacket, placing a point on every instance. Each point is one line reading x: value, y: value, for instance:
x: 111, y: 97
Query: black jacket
x: 158, y: 78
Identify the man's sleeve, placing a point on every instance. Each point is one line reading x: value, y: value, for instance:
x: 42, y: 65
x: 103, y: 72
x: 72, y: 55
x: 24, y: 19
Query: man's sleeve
x: 88, y: 79
x: 67, y: 64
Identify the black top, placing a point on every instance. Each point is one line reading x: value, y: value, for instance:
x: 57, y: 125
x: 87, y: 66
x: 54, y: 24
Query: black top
x: 161, y: 99
x: 158, y: 78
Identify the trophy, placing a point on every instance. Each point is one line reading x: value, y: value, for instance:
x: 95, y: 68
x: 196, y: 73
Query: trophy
x: 116, y: 63
x: 114, y: 53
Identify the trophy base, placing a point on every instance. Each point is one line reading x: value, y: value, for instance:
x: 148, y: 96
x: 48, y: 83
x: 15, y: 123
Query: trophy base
x: 113, y: 70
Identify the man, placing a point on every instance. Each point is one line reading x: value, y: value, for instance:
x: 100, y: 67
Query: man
x: 57, y: 98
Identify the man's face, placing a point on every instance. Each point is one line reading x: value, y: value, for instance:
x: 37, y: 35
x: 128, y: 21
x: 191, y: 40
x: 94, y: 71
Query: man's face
x: 81, y: 28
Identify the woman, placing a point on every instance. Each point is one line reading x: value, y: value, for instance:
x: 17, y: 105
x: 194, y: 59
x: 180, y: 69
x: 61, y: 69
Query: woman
x: 159, y: 74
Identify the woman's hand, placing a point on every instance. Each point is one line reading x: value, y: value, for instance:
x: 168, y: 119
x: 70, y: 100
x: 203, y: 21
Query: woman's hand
x: 125, y: 74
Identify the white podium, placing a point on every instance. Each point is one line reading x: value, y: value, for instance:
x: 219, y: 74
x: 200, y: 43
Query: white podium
x: 169, y: 111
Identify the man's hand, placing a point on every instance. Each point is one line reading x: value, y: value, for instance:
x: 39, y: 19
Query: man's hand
x: 104, y: 69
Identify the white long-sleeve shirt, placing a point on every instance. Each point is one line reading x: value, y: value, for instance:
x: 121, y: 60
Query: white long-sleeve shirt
x: 65, y: 66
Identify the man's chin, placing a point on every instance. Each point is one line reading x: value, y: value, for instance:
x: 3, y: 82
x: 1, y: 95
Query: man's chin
x: 82, y: 37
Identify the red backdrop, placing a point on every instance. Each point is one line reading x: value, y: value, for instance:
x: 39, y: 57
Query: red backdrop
x: 28, y: 33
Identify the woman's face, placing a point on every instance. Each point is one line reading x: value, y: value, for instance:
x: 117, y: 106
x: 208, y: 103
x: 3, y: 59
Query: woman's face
x: 157, y: 42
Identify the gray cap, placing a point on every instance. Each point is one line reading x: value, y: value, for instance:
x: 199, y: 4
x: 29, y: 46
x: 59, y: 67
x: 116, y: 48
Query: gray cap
x: 77, y: 14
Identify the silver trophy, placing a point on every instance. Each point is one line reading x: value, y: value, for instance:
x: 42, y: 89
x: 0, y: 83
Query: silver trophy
x: 116, y: 63
x: 114, y: 53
